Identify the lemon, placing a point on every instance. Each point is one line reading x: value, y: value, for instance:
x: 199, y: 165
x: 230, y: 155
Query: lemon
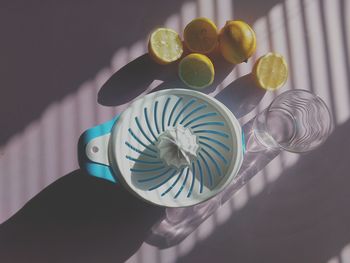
x: 271, y: 71
x: 165, y: 45
x: 196, y: 71
x: 237, y: 41
x: 201, y: 35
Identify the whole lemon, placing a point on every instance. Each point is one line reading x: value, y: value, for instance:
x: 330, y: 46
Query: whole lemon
x: 201, y: 35
x: 237, y: 41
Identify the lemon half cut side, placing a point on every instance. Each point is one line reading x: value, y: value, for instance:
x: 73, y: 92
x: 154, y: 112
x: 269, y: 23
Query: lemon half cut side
x: 196, y: 71
x: 271, y: 71
x: 165, y: 46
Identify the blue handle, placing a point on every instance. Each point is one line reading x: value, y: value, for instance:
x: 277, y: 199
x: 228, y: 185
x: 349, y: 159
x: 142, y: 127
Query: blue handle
x: 243, y: 143
x: 93, y: 168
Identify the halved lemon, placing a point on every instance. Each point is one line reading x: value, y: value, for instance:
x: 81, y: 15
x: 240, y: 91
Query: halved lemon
x: 165, y: 45
x: 196, y: 71
x: 271, y: 71
x: 201, y: 35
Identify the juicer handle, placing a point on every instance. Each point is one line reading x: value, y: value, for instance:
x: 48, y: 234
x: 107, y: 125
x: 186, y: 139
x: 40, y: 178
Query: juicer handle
x: 93, y: 151
x: 243, y: 143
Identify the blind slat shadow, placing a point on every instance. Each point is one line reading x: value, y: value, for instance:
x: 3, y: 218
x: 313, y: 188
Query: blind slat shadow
x: 345, y: 35
x: 328, y: 59
x: 307, y: 47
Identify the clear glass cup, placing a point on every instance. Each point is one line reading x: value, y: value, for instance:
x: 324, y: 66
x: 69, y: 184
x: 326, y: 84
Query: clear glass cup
x: 296, y: 121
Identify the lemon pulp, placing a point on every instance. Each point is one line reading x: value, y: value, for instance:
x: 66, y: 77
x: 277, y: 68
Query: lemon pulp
x: 196, y: 71
x: 165, y: 45
x: 271, y: 71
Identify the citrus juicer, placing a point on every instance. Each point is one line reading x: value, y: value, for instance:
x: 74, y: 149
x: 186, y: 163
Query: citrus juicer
x: 171, y: 148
